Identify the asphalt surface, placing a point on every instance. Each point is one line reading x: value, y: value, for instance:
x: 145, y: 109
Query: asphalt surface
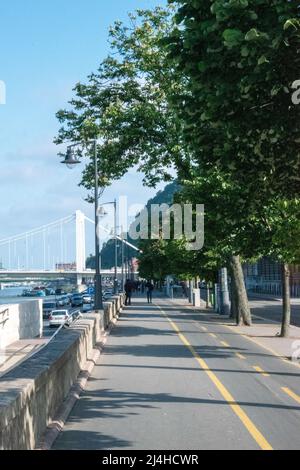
x: 173, y: 379
x: 272, y: 309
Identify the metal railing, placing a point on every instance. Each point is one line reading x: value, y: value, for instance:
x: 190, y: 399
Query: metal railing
x: 274, y: 289
x: 38, y: 350
x: 4, y: 316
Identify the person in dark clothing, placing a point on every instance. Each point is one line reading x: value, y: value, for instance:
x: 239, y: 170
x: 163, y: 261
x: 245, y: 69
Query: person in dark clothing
x: 149, y: 289
x: 128, y: 292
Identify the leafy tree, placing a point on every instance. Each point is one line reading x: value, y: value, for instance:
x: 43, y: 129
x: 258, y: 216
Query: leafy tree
x: 108, y: 254
x: 127, y: 103
x: 283, y: 221
x: 153, y: 262
x: 240, y: 59
x: 228, y: 231
x: 139, y: 105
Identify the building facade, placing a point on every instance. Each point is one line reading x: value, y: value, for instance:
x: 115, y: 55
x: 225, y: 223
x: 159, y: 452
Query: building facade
x: 264, y: 277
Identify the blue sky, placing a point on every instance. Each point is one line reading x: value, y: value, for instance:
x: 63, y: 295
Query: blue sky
x: 46, y: 47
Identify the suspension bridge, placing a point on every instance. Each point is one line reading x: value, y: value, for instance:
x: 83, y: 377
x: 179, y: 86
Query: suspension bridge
x: 56, y: 250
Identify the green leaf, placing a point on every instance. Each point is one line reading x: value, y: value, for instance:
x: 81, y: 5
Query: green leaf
x: 292, y: 23
x: 254, y: 35
x: 262, y: 60
x: 245, y: 51
x: 233, y: 37
x: 202, y: 66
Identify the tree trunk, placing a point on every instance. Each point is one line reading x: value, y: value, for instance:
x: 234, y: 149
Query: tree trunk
x: 286, y: 298
x: 232, y: 297
x: 242, y: 309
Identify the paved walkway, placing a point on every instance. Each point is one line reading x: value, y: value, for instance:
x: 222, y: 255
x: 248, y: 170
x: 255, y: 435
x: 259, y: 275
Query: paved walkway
x: 266, y: 316
x: 172, y: 379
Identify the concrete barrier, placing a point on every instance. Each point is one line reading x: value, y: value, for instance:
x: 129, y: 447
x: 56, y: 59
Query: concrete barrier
x: 109, y: 313
x: 117, y: 299
x: 122, y: 296
x: 113, y: 308
x: 20, y: 321
x: 113, y: 300
x: 122, y: 300
x: 31, y: 394
x: 197, y: 301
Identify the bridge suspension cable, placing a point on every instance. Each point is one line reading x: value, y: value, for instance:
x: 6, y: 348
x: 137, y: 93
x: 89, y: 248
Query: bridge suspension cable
x: 123, y: 240
x: 33, y: 247
x: 38, y: 230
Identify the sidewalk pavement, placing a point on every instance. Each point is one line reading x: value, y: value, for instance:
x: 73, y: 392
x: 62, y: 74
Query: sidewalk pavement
x: 17, y: 352
x: 171, y: 377
x: 258, y: 296
x: 263, y: 332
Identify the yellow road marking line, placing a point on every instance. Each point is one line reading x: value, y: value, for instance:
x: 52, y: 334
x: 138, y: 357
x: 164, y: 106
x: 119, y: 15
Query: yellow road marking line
x: 266, y: 348
x: 212, y: 335
x: 203, y: 328
x: 249, y: 425
x: 240, y: 356
x: 226, y: 345
x: 261, y: 371
x: 291, y: 394
x: 233, y: 328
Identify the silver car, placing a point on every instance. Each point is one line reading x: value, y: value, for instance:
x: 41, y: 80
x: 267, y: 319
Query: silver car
x: 63, y: 301
x: 60, y: 317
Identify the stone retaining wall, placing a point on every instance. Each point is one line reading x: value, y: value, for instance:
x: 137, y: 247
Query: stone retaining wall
x: 31, y: 394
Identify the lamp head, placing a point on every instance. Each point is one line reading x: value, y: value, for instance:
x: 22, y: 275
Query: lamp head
x: 70, y: 160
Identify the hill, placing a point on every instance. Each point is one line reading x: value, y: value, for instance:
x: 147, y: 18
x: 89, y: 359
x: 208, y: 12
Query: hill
x: 165, y: 196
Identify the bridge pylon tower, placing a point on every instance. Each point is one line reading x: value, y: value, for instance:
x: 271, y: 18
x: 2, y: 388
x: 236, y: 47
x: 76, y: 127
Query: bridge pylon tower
x: 80, y: 242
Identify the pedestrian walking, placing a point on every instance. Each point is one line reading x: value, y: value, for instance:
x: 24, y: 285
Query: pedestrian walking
x: 128, y: 292
x: 149, y: 289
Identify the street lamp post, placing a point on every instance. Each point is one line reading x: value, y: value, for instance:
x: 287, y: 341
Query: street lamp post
x: 224, y: 292
x: 71, y: 161
x: 122, y: 256
x: 114, y: 203
x: 116, y: 286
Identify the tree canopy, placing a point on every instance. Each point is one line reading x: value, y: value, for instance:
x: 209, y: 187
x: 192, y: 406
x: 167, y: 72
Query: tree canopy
x: 240, y: 59
x: 202, y: 90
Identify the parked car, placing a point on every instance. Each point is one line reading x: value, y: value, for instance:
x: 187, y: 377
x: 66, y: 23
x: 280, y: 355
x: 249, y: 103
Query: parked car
x: 77, y: 300
x: 87, y: 299
x: 108, y: 292
x: 48, y: 308
x: 40, y: 293
x: 60, y: 317
x: 49, y: 291
x: 63, y: 301
x: 60, y: 291
x: 33, y: 293
x: 27, y: 293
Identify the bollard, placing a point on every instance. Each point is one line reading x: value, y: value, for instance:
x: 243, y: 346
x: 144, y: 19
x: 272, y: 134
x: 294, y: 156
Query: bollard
x: 196, y: 298
x: 225, y: 302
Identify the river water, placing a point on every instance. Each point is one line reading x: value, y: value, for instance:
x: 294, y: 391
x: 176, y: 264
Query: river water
x: 12, y: 295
